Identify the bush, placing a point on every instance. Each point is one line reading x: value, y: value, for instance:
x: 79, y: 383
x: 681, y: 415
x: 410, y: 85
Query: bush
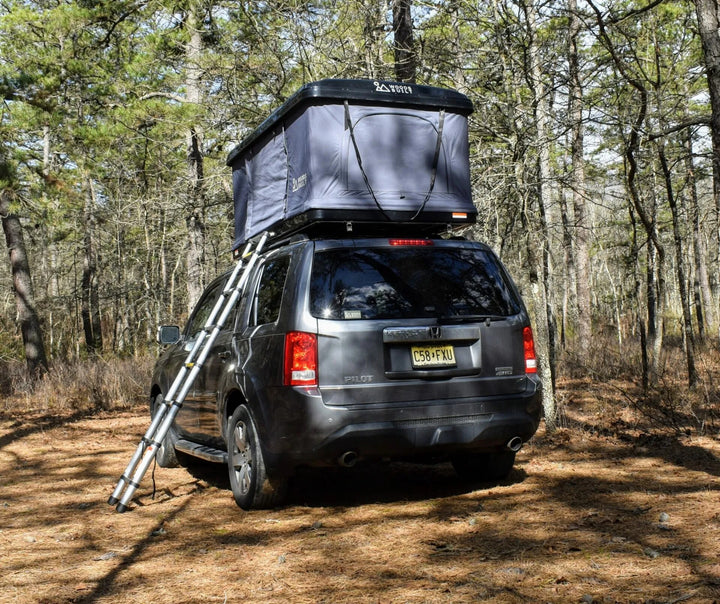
x: 87, y: 385
x: 612, y: 374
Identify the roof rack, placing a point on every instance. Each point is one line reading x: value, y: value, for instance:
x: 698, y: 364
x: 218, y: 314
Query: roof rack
x: 341, y: 229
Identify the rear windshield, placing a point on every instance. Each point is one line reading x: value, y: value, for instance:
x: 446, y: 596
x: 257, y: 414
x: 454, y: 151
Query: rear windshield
x: 409, y: 282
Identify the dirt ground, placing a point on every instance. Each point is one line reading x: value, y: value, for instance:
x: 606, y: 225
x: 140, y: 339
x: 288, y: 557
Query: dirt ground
x: 591, y: 514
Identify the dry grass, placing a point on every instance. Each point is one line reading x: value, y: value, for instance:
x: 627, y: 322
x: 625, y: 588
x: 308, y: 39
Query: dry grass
x: 610, y: 508
x: 90, y: 385
x: 613, y: 376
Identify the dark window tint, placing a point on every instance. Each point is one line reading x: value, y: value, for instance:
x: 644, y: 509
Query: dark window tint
x: 271, y: 288
x: 404, y: 282
x: 203, y: 310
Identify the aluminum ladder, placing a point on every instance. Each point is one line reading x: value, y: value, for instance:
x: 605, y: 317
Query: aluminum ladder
x: 165, y: 414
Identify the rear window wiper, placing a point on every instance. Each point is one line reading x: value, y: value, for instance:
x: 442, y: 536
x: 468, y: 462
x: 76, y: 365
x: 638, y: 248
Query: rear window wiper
x: 470, y: 319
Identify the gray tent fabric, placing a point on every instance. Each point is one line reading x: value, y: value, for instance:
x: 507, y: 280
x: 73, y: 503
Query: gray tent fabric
x: 396, y: 163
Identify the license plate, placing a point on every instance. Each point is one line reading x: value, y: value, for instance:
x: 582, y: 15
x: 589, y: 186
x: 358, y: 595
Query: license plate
x: 432, y: 356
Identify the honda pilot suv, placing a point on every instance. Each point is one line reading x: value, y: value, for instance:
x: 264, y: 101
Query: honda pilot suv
x: 351, y: 349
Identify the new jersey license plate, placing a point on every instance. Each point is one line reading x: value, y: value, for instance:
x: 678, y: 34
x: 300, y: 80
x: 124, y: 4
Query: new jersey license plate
x: 432, y: 356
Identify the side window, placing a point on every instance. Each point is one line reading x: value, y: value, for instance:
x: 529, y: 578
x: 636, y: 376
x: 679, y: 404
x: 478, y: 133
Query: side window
x: 202, y: 311
x: 270, y: 290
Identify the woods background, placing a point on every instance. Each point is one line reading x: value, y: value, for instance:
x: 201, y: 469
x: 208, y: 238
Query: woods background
x: 591, y: 150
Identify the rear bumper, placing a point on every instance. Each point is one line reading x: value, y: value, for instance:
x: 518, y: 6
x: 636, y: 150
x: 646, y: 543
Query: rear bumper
x: 302, y: 430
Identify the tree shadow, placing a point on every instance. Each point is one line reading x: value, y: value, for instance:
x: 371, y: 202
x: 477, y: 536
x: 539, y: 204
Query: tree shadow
x: 668, y: 447
x: 22, y: 428
x: 105, y: 584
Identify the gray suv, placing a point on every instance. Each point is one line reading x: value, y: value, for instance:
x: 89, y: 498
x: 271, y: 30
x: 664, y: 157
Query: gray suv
x: 351, y: 349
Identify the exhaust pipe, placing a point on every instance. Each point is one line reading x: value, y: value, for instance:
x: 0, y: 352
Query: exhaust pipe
x: 515, y: 444
x: 348, y: 459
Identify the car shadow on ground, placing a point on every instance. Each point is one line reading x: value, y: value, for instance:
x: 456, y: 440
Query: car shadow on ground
x: 366, y: 483
x: 370, y: 483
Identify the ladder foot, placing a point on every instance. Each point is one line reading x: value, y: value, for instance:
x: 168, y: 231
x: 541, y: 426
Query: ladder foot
x: 121, y: 507
x: 112, y: 500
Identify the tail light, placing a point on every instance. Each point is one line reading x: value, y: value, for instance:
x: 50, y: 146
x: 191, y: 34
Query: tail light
x: 300, y: 359
x: 529, y: 350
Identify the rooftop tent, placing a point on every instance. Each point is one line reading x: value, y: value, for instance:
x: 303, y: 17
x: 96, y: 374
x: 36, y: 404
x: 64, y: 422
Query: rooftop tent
x: 356, y: 151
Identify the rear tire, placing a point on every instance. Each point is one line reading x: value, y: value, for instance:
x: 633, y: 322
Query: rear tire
x: 251, y: 486
x: 166, y: 456
x: 484, y: 467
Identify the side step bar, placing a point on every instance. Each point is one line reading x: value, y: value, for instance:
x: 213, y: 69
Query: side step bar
x: 201, y: 451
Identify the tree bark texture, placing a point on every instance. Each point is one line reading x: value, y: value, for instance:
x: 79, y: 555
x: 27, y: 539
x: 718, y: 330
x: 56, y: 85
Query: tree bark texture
x: 22, y: 285
x: 569, y: 295
x: 704, y: 310
x: 195, y: 254
x: 639, y: 316
x: 90, y: 304
x: 405, y: 57
x: 540, y: 282
x: 693, y: 377
x: 580, y: 206
x: 708, y: 16
x: 373, y: 35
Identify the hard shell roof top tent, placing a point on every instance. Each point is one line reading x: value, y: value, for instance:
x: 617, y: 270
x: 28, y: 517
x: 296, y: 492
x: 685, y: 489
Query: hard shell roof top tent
x: 381, y: 156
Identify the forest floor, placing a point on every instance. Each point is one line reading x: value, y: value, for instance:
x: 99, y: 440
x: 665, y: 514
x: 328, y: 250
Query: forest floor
x: 604, y: 510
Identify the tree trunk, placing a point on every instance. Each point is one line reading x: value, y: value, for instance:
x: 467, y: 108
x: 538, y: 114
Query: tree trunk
x: 708, y: 15
x: 582, y: 223
x: 405, y: 58
x: 49, y: 257
x: 195, y: 221
x: 703, y: 296
x: 22, y: 284
x: 640, y: 320
x: 90, y: 306
x: 688, y: 338
x: 540, y: 267
x: 373, y: 36
x: 569, y: 306
x: 655, y: 250
x: 655, y: 294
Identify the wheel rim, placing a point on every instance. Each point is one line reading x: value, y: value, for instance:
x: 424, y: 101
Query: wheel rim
x: 242, y: 457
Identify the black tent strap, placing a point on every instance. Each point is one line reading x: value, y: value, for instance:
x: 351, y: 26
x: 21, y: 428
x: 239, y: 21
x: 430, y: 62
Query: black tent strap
x: 349, y: 126
x: 438, y: 146
x: 436, y: 158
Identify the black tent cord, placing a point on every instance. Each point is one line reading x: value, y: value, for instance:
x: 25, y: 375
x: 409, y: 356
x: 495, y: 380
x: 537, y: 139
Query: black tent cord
x: 438, y: 146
